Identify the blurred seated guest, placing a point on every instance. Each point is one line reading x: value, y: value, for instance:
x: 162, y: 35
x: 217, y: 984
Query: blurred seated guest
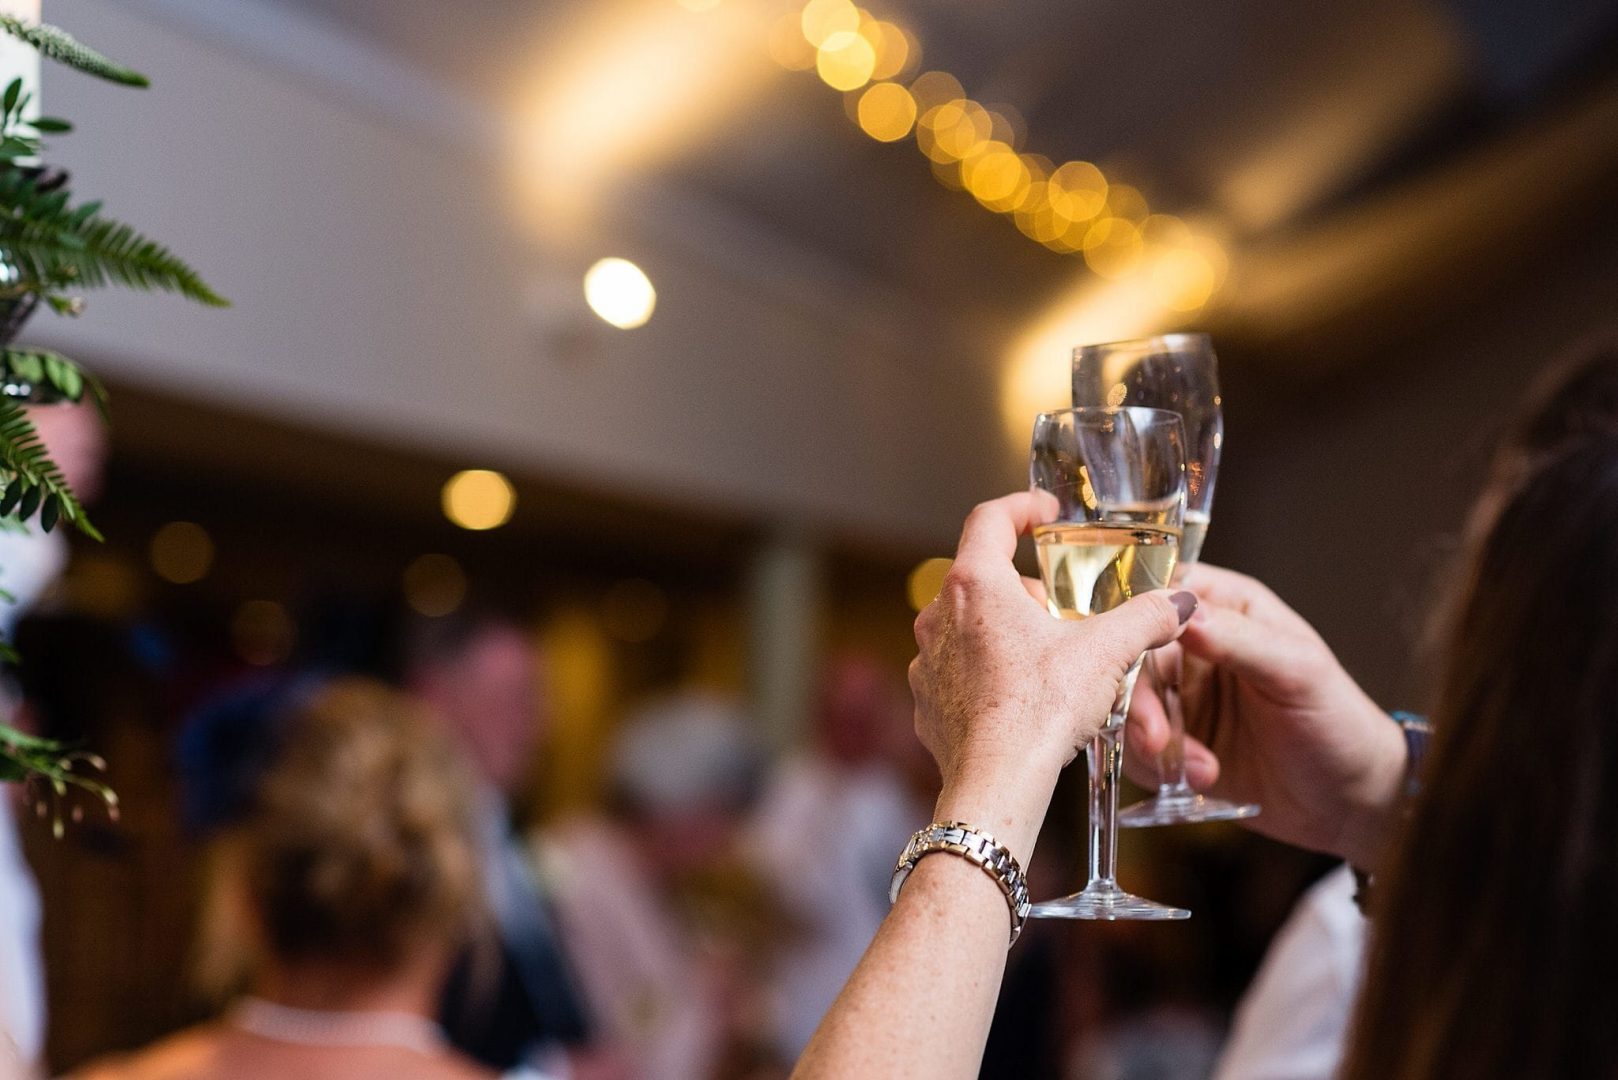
x: 480, y: 674
x: 669, y: 931
x: 342, y: 880
x: 30, y: 562
x: 845, y: 798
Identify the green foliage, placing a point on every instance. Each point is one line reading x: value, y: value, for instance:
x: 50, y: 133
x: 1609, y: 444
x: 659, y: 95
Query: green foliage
x: 49, y: 248
x: 52, y: 245
x: 32, y: 760
x: 61, y: 46
x: 21, y: 137
x: 31, y: 372
x: 31, y: 481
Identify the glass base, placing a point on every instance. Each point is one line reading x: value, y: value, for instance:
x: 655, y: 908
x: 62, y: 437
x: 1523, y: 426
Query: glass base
x: 1168, y: 808
x: 1104, y: 900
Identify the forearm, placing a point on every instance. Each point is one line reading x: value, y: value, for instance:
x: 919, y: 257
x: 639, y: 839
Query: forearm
x: 921, y: 1000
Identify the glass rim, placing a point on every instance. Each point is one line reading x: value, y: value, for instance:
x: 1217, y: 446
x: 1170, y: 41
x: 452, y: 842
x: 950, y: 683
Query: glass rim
x: 1157, y: 342
x: 1110, y: 410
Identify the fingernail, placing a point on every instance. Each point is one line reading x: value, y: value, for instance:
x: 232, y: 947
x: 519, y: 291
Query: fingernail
x: 1185, y: 603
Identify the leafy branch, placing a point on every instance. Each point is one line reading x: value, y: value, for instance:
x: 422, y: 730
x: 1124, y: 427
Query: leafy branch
x: 62, y: 46
x: 51, y: 245
x: 30, y: 759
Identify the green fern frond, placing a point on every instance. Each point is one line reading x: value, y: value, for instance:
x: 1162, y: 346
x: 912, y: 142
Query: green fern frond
x: 32, y: 482
x: 50, y: 244
x: 58, y: 44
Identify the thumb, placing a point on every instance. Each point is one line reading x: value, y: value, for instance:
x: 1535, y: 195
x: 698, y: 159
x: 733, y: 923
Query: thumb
x: 1149, y: 620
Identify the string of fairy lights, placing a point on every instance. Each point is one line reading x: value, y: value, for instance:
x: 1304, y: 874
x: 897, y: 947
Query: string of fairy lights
x: 1072, y: 208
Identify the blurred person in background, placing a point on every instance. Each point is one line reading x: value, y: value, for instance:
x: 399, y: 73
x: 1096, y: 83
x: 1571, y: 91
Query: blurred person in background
x: 480, y: 674
x: 846, y: 798
x: 670, y: 930
x: 31, y: 560
x: 342, y: 879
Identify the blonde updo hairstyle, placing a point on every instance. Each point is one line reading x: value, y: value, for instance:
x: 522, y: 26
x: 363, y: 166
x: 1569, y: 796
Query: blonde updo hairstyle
x: 357, y: 847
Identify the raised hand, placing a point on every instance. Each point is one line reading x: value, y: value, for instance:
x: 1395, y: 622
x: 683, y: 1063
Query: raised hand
x: 1271, y: 717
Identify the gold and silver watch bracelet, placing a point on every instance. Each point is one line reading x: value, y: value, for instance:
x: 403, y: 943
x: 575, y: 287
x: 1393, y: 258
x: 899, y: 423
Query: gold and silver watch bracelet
x: 977, y: 846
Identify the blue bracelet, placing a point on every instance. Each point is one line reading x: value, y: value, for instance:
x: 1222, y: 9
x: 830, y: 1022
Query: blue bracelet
x: 1416, y: 730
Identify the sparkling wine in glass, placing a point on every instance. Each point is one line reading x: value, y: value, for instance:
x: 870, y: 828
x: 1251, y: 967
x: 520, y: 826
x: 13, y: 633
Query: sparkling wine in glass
x: 1179, y: 373
x: 1112, y: 532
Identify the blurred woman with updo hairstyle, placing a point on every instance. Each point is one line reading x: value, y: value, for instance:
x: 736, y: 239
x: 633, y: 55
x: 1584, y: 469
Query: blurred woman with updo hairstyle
x: 342, y: 878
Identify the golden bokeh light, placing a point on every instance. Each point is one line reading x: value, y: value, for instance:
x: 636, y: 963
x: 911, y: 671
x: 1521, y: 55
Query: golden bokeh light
x: 434, y: 585
x: 181, y: 552
x: 949, y: 132
x: 634, y: 610
x: 924, y: 582
x: 1112, y: 247
x: 1078, y: 190
x: 995, y: 175
x: 1124, y: 201
x: 699, y: 5
x: 936, y: 88
x: 1159, y: 260
x: 620, y: 292
x: 892, y: 46
x: 846, y: 61
x: 887, y: 112
x: 788, y: 47
x: 479, y: 499
x: 823, y: 20
x: 262, y: 632
x: 1161, y: 231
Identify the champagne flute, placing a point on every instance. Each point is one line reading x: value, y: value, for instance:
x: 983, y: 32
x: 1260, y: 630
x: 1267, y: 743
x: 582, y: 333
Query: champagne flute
x: 1113, y: 531
x: 1180, y: 373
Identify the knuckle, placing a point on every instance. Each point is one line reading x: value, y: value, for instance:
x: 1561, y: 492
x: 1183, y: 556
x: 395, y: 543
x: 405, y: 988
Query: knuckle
x: 964, y: 577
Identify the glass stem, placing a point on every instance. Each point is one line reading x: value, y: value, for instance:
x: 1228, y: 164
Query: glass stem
x: 1102, y: 755
x: 1106, y: 761
x: 1172, y: 783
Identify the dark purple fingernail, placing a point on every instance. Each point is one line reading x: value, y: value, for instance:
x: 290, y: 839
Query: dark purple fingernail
x: 1185, y: 603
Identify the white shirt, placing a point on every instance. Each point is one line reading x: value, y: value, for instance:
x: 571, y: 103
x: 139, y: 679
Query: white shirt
x: 1293, y: 1021
x: 827, y: 835
x: 22, y: 976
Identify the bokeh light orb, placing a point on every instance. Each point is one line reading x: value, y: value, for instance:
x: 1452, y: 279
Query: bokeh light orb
x: 925, y: 581
x: 479, y: 499
x: 887, y: 112
x: 181, y: 552
x: 846, y: 61
x: 620, y: 292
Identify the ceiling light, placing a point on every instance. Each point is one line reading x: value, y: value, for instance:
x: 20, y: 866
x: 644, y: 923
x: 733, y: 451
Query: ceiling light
x: 620, y: 292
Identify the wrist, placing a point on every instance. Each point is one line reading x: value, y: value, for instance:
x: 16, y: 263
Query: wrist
x: 1374, y: 815
x: 1009, y: 802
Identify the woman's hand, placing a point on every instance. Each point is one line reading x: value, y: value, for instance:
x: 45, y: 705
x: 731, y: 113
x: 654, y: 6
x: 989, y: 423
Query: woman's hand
x: 1271, y: 717
x: 1005, y: 694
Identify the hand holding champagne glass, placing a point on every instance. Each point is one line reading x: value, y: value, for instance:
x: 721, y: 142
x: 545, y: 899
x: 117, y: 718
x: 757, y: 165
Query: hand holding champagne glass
x: 1119, y: 481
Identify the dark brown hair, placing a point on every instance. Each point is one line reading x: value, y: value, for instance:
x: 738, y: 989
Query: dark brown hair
x: 1497, y: 919
x: 358, y: 847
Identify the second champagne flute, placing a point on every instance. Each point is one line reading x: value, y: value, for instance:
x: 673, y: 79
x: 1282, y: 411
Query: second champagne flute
x: 1112, y: 532
x: 1180, y: 373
